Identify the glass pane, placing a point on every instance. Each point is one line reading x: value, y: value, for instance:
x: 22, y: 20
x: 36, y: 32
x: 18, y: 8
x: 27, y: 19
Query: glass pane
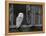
x: 25, y: 17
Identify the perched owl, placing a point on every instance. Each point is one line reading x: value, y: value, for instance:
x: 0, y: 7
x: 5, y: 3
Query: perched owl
x: 19, y: 19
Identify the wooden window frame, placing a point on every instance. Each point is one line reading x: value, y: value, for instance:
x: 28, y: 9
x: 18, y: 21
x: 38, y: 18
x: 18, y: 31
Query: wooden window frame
x: 7, y: 17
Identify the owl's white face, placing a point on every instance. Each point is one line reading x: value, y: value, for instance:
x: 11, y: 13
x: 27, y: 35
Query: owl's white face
x: 20, y: 15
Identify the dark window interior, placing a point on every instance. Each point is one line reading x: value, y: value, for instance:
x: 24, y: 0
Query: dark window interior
x: 32, y: 20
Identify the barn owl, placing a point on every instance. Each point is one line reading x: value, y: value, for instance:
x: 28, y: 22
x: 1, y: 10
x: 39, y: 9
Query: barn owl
x: 19, y: 19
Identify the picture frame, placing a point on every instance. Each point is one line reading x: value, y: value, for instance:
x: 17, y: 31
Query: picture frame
x: 7, y: 17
